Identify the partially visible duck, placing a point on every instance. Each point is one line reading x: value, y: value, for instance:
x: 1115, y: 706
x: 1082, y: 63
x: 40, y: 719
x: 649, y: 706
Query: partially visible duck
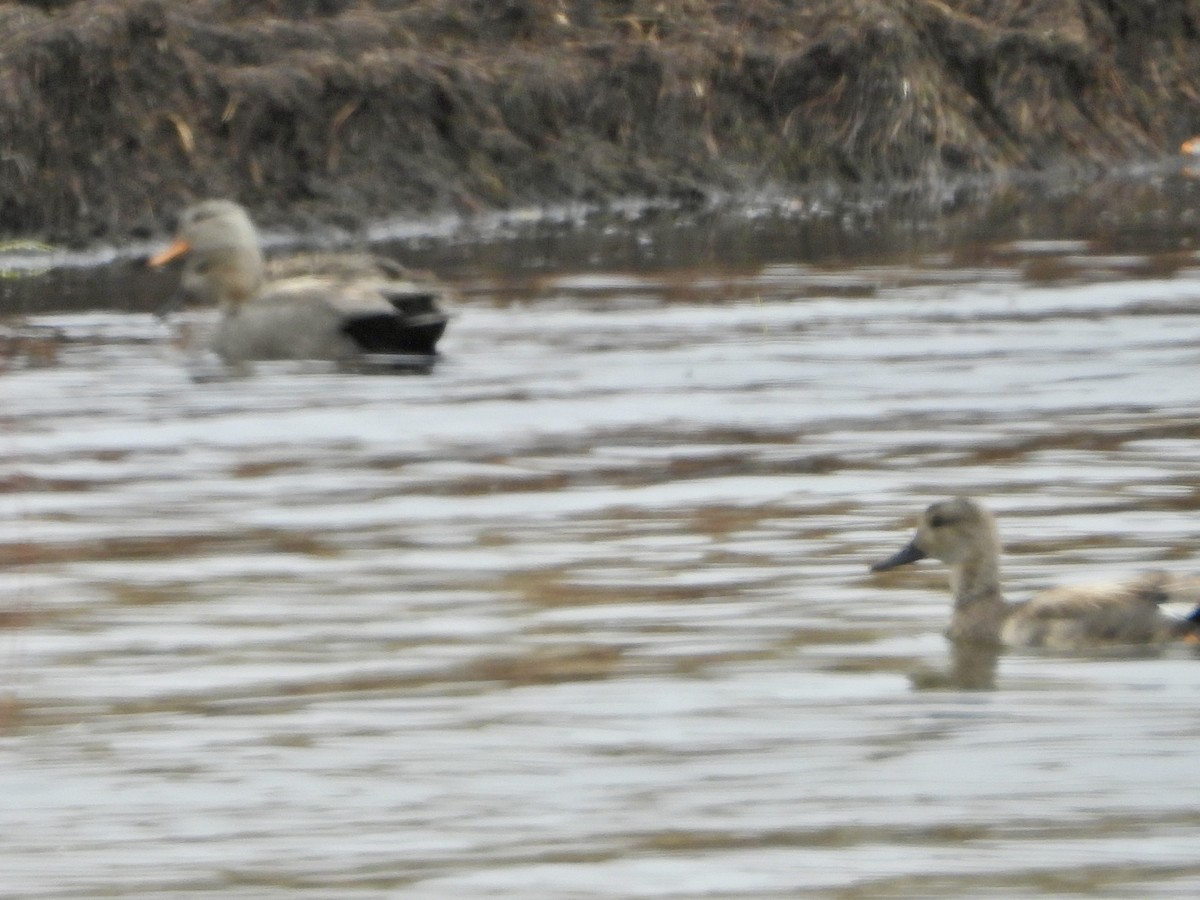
x: 1191, y: 151
x: 962, y: 534
x: 322, y: 306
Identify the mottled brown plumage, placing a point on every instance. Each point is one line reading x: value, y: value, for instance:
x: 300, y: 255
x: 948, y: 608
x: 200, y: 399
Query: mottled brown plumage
x: 962, y: 534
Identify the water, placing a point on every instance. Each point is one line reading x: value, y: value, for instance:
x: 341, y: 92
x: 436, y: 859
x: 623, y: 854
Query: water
x: 585, y: 613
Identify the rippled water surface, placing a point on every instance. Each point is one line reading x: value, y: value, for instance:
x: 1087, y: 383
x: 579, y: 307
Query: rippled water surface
x: 585, y: 612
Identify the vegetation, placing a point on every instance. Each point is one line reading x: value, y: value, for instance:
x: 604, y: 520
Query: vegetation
x: 116, y: 113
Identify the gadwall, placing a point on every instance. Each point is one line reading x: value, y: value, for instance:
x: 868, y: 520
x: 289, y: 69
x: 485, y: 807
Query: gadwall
x: 324, y: 306
x: 962, y: 534
x: 1191, y: 153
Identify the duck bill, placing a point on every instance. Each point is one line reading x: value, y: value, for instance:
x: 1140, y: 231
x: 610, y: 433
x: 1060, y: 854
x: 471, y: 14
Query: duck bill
x: 910, y: 554
x: 175, y: 251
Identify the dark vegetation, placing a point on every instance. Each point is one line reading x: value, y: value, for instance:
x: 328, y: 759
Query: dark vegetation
x: 115, y: 113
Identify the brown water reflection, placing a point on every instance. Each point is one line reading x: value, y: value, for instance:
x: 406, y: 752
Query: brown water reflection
x: 585, y: 612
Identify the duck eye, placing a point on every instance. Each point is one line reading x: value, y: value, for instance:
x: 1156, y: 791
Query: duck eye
x: 937, y: 520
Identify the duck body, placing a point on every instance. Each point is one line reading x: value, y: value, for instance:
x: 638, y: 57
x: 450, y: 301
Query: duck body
x: 316, y: 317
x: 961, y: 533
x: 339, y: 307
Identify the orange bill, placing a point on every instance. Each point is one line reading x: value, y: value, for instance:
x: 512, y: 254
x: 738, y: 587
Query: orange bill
x: 175, y: 251
x: 1192, y: 146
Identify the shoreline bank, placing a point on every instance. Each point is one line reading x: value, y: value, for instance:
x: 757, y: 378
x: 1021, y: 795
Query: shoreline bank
x: 331, y: 114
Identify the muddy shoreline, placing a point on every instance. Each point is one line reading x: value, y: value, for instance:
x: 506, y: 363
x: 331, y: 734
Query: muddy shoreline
x: 116, y: 113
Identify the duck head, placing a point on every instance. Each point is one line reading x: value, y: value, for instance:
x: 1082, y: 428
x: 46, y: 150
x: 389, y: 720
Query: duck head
x: 959, y: 532
x: 223, y: 263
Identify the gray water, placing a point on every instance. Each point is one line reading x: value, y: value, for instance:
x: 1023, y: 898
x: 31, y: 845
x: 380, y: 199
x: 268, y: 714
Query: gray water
x: 585, y: 612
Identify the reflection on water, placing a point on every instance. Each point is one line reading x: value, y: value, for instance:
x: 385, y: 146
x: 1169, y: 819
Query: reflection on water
x: 586, y: 611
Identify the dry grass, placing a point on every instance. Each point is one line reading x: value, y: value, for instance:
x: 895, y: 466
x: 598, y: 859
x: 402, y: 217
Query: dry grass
x: 117, y: 112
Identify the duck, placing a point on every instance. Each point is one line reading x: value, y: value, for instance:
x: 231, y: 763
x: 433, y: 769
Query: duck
x: 340, y: 307
x: 962, y: 533
x: 1191, y: 155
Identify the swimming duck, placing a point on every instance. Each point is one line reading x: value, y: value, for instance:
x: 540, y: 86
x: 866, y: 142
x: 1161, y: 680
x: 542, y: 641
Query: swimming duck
x: 324, y: 306
x: 962, y: 534
x: 1191, y: 152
